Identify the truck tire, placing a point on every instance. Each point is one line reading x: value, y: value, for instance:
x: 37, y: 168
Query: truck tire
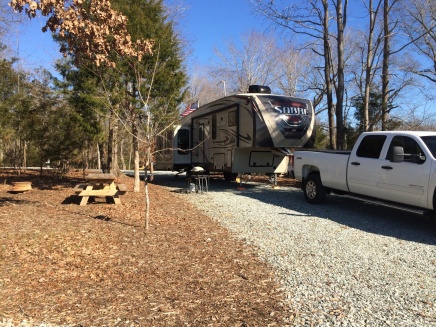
x: 313, y: 190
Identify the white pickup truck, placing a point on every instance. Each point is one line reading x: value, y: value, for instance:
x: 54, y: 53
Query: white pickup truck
x: 395, y: 168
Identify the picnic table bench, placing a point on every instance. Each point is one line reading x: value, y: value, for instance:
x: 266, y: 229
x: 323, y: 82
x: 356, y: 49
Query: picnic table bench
x: 100, y: 185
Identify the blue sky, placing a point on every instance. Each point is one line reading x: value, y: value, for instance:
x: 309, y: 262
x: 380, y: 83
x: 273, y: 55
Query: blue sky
x: 34, y: 48
x: 205, y: 24
x: 213, y: 24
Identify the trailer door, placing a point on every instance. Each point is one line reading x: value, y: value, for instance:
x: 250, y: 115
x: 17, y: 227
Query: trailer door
x: 199, y: 148
x: 181, y: 153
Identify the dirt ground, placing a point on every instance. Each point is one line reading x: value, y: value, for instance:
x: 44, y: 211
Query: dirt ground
x: 94, y: 265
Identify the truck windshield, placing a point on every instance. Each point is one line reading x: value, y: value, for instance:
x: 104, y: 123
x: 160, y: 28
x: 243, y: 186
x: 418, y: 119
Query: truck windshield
x: 430, y: 141
x: 293, y: 115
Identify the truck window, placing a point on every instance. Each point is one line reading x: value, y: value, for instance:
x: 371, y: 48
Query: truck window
x: 371, y: 146
x: 430, y: 141
x: 412, y: 151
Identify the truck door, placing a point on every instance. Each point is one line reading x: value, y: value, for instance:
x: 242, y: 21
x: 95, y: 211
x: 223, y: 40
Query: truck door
x: 405, y: 181
x: 364, y: 166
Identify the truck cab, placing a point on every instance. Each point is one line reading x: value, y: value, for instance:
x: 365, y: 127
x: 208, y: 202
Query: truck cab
x: 393, y: 166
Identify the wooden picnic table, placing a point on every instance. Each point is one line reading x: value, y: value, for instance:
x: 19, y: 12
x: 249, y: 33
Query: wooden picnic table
x: 100, y: 185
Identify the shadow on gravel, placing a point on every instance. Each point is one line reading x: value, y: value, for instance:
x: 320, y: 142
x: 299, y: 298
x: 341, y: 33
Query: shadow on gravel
x: 4, y: 201
x: 352, y: 213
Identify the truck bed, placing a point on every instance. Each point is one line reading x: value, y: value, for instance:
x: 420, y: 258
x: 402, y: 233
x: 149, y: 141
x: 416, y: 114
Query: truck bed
x: 332, y: 162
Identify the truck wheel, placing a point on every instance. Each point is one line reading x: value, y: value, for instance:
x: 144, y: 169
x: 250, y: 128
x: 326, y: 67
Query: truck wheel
x: 314, y: 191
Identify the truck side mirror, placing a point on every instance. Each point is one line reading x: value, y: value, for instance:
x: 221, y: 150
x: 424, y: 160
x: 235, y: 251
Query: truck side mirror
x: 419, y: 158
x: 398, y: 154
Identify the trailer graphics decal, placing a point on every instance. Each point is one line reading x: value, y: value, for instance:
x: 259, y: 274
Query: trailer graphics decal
x: 293, y: 117
x: 228, y: 138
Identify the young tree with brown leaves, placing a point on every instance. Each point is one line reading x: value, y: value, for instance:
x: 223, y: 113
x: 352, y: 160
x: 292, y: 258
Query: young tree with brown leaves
x: 90, y: 28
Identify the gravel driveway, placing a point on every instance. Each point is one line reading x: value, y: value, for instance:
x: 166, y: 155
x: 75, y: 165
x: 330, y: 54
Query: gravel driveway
x: 343, y: 263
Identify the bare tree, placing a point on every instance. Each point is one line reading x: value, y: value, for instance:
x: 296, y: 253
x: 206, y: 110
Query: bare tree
x: 366, y: 58
x: 310, y: 81
x: 254, y: 63
x: 326, y: 53
x: 386, y: 56
x: 311, y: 20
x: 420, y: 27
x: 391, y: 25
x: 295, y: 67
x: 372, y: 44
x: 341, y: 21
x: 204, y: 88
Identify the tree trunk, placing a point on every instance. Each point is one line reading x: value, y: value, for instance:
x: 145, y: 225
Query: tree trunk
x: 327, y: 76
x: 115, y: 166
x: 98, y: 157
x: 24, y: 155
x: 2, y: 154
x: 147, y: 202
x: 85, y: 160
x: 130, y: 157
x: 341, y: 16
x: 110, y: 143
x: 123, y: 161
x: 136, y: 180
x: 102, y: 157
x: 385, y: 69
x: 368, y: 68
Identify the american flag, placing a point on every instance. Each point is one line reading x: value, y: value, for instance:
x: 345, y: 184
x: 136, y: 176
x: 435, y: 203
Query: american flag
x: 190, y: 108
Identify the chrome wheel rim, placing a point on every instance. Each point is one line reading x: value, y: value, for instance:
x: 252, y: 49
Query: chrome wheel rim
x: 311, y: 189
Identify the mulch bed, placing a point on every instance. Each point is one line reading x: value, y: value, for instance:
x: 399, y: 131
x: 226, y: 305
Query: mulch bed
x: 95, y: 265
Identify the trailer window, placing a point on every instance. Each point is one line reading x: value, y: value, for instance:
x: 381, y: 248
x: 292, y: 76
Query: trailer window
x: 183, y: 141
x: 201, y: 133
x: 371, y: 146
x: 214, y: 127
x: 164, y: 143
x: 232, y: 118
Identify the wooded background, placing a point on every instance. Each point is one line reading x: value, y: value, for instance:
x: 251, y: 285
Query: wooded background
x: 104, y: 104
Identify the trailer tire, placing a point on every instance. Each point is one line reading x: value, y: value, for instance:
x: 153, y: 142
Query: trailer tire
x: 314, y: 191
x: 230, y: 177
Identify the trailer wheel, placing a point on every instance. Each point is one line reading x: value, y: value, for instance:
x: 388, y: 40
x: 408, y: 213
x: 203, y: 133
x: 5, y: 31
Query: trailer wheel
x: 314, y: 191
x: 230, y: 177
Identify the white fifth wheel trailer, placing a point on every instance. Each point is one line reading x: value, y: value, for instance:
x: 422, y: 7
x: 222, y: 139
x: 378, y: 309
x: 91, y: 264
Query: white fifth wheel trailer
x: 245, y: 133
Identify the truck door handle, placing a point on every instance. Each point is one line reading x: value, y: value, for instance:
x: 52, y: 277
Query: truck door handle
x: 387, y: 167
x: 355, y: 163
